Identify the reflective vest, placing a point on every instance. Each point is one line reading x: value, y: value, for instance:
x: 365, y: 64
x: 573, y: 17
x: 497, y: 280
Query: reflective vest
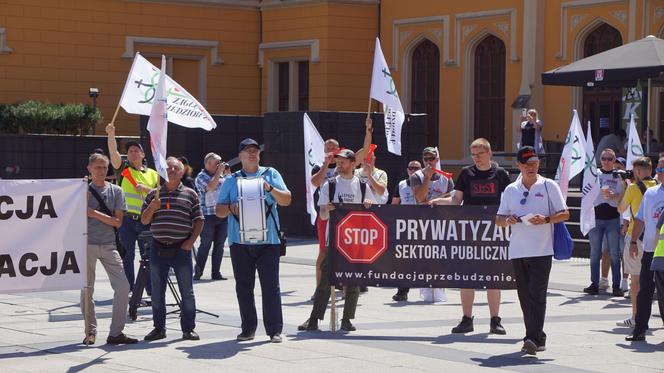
x: 658, y: 256
x: 130, y: 177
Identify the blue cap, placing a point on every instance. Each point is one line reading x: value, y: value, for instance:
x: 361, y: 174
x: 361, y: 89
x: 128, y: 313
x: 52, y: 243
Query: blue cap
x: 248, y: 142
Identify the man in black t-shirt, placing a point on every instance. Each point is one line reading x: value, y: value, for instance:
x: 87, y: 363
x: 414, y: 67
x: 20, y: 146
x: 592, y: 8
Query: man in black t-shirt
x: 479, y: 184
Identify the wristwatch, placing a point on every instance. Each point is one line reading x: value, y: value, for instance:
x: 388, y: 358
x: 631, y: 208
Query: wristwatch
x: 547, y: 219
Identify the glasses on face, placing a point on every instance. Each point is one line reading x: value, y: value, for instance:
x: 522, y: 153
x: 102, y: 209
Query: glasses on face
x: 525, y: 196
x: 414, y: 168
x: 429, y: 159
x: 659, y: 170
x: 477, y: 154
x: 608, y: 159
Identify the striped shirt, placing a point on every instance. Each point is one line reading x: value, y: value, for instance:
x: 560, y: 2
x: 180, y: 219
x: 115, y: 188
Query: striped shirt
x: 173, y: 222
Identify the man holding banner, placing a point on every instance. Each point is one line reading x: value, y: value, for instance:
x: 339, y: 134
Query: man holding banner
x: 530, y: 206
x: 346, y: 187
x: 106, y: 208
x: 136, y: 181
x: 480, y: 184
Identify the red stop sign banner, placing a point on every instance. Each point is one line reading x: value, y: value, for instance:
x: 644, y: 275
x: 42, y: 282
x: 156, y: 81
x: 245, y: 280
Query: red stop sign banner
x: 361, y: 237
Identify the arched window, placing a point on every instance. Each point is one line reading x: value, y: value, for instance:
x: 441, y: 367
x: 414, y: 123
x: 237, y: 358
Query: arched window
x: 425, y: 82
x: 601, y: 105
x: 489, y: 91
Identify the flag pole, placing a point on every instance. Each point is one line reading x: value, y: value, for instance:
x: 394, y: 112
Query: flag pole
x: 115, y: 114
x: 369, y: 108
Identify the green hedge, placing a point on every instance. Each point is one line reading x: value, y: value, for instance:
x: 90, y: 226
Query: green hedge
x: 44, y: 117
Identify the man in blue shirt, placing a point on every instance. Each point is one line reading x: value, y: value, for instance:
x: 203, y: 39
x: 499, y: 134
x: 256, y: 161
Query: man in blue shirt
x: 248, y: 257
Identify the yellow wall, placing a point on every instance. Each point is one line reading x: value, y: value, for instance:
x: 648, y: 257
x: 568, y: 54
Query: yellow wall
x: 62, y: 48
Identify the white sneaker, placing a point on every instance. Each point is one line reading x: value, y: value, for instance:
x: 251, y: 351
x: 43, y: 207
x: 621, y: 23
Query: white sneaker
x: 624, y: 286
x: 629, y: 322
x: 603, y: 283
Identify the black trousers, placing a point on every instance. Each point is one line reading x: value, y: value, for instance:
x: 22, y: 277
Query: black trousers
x: 532, y: 282
x: 647, y: 280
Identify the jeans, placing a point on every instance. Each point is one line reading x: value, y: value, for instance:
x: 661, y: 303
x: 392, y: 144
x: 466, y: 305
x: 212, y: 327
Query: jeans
x: 184, y: 273
x: 129, y: 232
x: 214, y: 230
x: 532, y: 282
x: 646, y: 292
x: 247, y: 259
x: 610, y: 228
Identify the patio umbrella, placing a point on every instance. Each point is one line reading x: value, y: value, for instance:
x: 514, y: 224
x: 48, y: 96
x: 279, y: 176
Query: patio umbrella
x: 622, y: 66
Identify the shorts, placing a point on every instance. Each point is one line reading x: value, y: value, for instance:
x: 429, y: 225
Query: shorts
x: 632, y: 266
x: 321, y: 228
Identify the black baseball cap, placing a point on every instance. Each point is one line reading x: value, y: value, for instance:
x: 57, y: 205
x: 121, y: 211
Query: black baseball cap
x: 134, y: 143
x: 346, y: 153
x: 526, y: 154
x: 248, y: 142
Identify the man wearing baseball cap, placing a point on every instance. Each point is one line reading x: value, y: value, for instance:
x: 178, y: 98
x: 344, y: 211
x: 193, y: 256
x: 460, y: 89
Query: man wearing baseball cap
x: 531, y: 242
x: 248, y: 257
x: 136, y: 182
x: 346, y: 187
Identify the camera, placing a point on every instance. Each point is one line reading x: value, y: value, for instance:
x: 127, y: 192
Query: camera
x: 625, y: 175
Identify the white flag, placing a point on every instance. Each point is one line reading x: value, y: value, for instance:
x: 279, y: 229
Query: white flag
x: 314, y: 155
x: 140, y: 90
x: 590, y: 189
x: 572, y: 159
x: 384, y: 90
x: 158, y: 124
x: 634, y: 147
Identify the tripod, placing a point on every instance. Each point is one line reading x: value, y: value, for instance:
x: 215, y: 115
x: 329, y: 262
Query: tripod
x: 142, y: 278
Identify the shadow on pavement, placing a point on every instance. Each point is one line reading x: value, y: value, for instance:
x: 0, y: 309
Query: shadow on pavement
x: 474, y: 338
x: 642, y: 347
x: 219, y: 350
x: 507, y: 360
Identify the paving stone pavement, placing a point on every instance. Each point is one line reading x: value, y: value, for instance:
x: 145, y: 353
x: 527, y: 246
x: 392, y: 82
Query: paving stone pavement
x: 42, y: 332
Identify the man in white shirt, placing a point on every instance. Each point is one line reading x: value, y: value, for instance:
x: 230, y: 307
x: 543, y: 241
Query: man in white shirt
x: 403, y: 195
x: 530, y: 206
x: 652, y: 207
x: 428, y: 184
x: 348, y: 188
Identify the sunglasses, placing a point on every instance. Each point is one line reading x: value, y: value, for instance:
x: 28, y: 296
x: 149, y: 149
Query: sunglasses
x: 414, y: 168
x: 523, y: 200
x: 659, y: 170
x: 429, y: 159
x: 610, y: 159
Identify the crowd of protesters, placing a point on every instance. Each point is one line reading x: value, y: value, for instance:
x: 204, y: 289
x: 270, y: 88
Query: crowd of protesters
x: 625, y: 239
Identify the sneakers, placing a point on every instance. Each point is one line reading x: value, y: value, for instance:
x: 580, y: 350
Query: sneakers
x: 592, y: 289
x: 245, y: 336
x: 191, y: 336
x: 400, y: 297
x: 310, y: 324
x: 346, y: 325
x: 465, y: 326
x: 496, y: 327
x: 121, y: 339
x: 89, y: 339
x: 529, y: 347
x: 636, y: 337
x: 618, y: 292
x: 629, y: 322
x: 276, y: 338
x: 155, y: 334
x: 624, y: 286
x: 603, y: 283
x: 538, y: 349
